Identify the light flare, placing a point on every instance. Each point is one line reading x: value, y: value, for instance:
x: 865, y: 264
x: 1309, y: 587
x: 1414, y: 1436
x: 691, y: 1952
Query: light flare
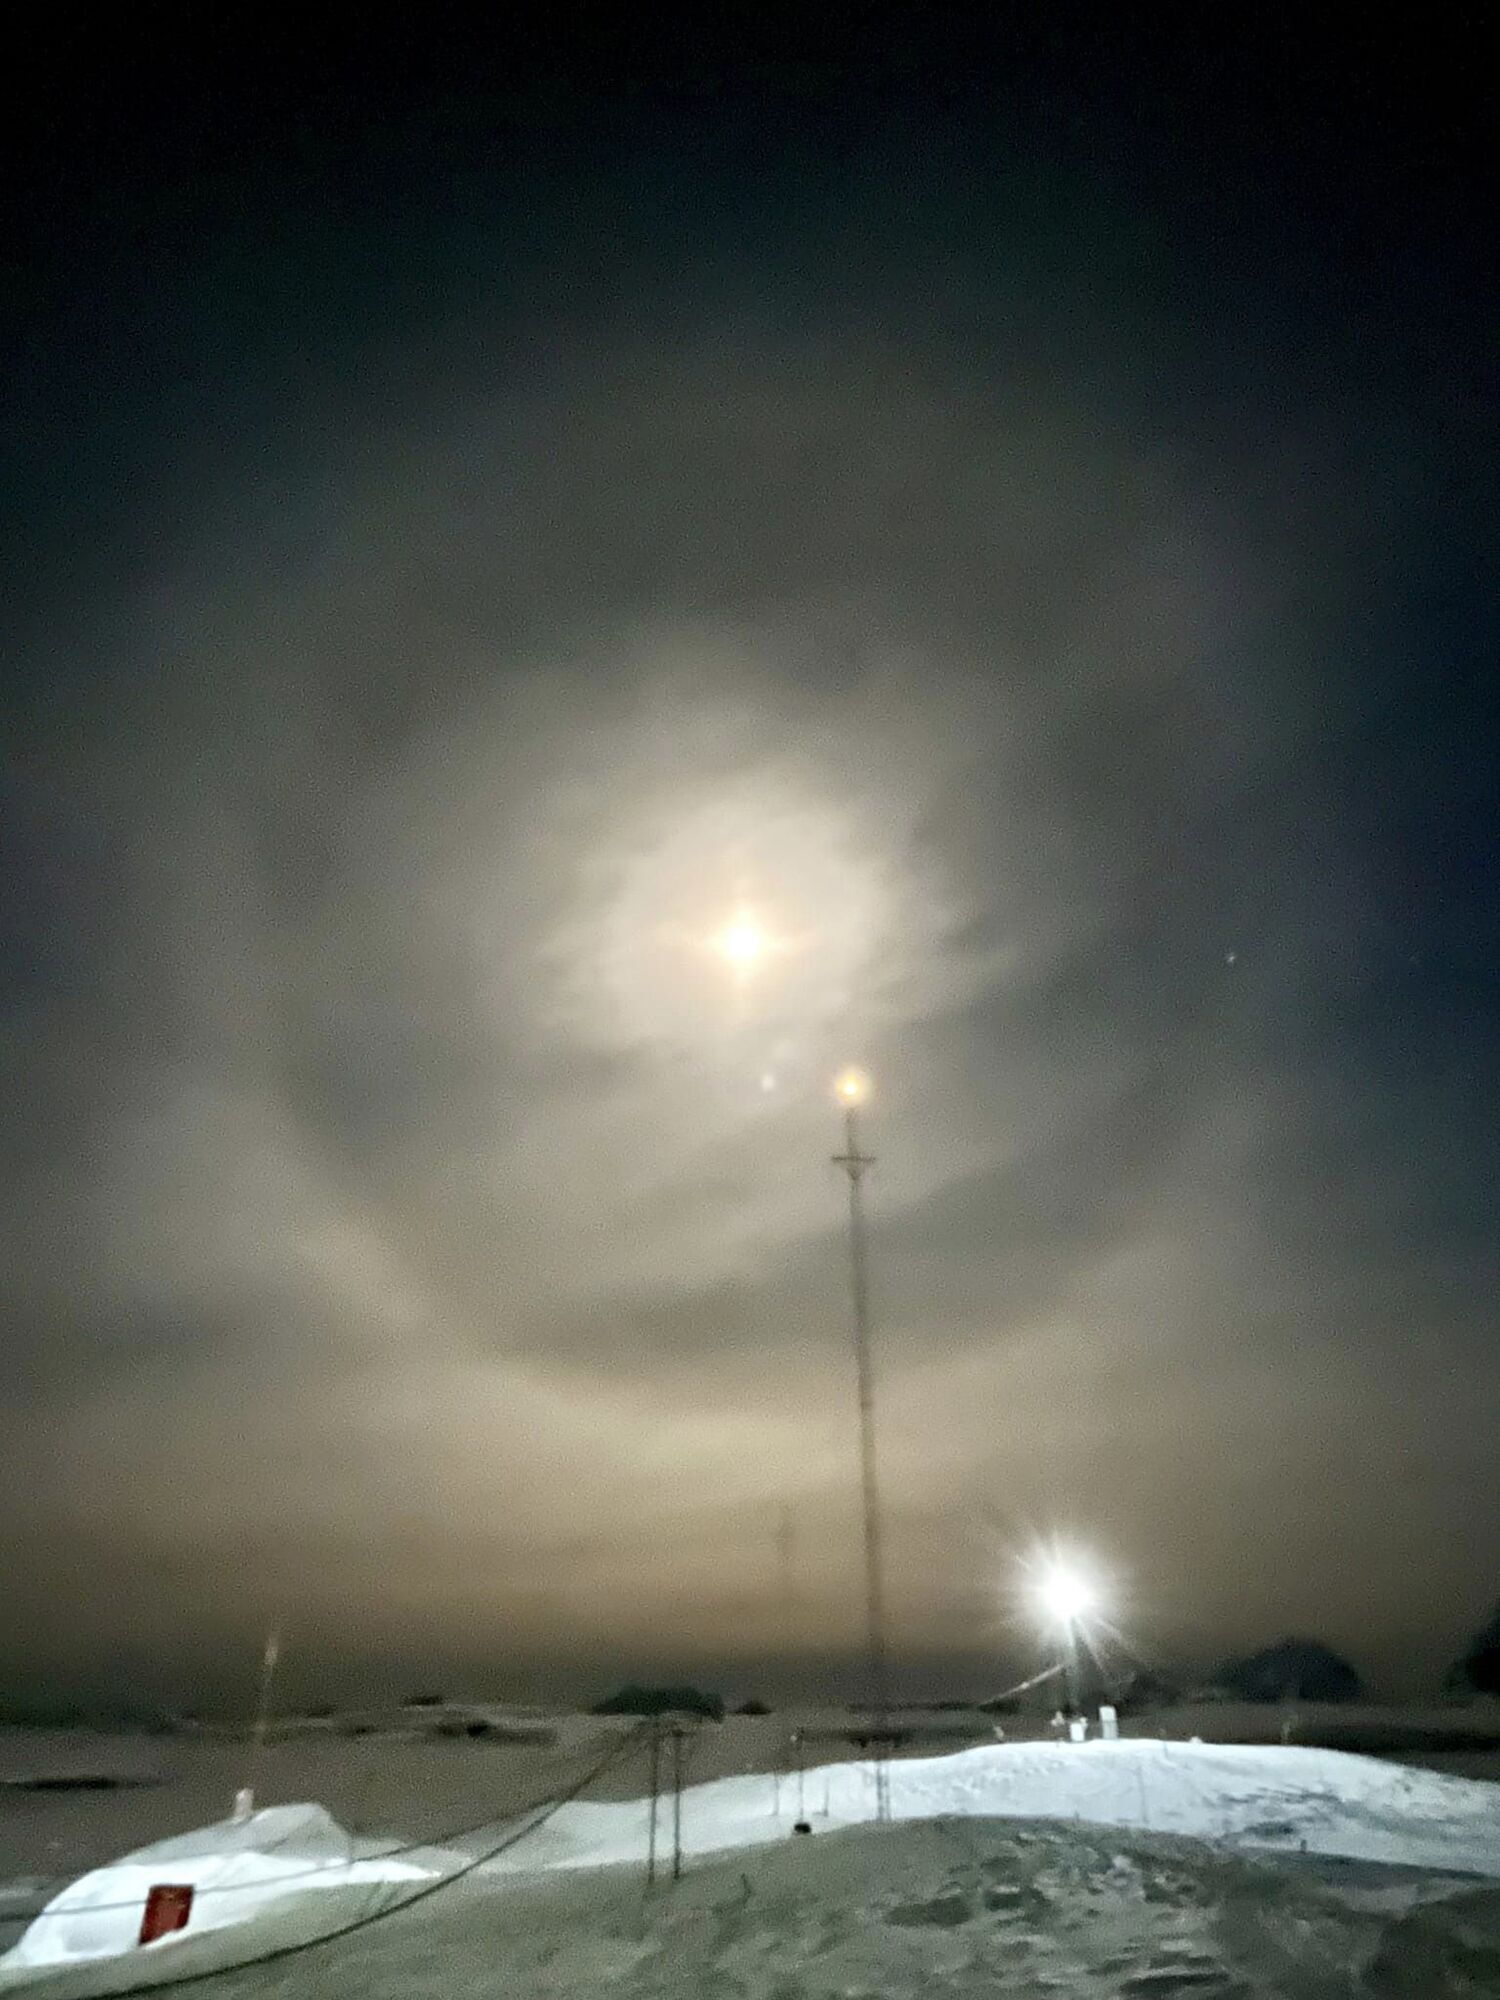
x: 1064, y: 1593
x: 851, y: 1087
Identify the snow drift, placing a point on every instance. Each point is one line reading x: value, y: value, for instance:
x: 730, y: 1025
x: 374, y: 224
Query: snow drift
x: 243, y: 1873
x: 1322, y: 1802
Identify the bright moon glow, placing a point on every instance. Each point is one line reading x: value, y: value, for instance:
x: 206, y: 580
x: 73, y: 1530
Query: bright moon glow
x: 756, y: 909
x: 851, y: 1087
x: 743, y: 942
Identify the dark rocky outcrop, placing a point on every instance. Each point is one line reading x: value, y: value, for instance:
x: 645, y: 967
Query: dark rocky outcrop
x: 1291, y: 1670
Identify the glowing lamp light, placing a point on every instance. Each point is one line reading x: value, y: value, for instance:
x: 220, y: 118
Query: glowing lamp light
x: 1068, y: 1597
x: 1065, y: 1593
x: 851, y: 1087
x: 1065, y: 1597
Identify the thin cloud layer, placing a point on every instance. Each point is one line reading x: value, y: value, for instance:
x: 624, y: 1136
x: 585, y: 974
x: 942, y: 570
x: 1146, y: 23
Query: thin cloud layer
x: 406, y: 1192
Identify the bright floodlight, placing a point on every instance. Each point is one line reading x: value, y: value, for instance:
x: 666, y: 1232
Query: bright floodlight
x: 851, y: 1087
x: 1064, y: 1596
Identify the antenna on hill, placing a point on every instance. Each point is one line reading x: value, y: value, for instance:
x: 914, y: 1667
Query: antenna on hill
x: 786, y: 1569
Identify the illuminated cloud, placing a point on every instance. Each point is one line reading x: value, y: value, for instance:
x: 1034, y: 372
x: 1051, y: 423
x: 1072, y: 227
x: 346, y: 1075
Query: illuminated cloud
x: 420, y: 1193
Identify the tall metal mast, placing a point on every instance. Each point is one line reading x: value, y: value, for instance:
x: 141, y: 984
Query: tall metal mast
x: 852, y: 1090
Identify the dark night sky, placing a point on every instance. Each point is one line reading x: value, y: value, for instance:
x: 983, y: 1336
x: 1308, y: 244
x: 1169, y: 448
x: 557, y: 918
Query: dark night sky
x: 1017, y: 510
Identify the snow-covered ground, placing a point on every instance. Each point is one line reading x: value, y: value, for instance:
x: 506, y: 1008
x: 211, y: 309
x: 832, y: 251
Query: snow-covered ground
x: 966, y: 1907
x: 1165, y: 1867
x: 400, y: 1776
x: 1298, y: 1801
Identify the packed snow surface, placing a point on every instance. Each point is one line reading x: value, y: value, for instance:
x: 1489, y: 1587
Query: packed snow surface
x: 967, y: 1908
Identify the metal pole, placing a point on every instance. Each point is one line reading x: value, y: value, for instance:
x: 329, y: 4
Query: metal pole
x: 268, y: 1666
x: 676, y: 1804
x: 655, y: 1789
x: 1072, y: 1675
x: 786, y: 1547
x: 855, y: 1163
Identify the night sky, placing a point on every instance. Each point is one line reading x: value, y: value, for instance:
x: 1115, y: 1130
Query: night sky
x: 1014, y: 513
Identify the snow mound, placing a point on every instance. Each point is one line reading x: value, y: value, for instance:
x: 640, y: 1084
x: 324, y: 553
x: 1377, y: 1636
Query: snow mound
x: 242, y: 1872
x: 1319, y: 1802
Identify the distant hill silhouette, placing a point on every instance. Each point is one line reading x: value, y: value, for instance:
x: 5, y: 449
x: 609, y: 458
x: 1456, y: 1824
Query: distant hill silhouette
x: 1478, y: 1668
x: 633, y: 1700
x: 1292, y: 1669
x: 1146, y: 1689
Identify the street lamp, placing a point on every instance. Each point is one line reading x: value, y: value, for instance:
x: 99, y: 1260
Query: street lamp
x: 1066, y: 1599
